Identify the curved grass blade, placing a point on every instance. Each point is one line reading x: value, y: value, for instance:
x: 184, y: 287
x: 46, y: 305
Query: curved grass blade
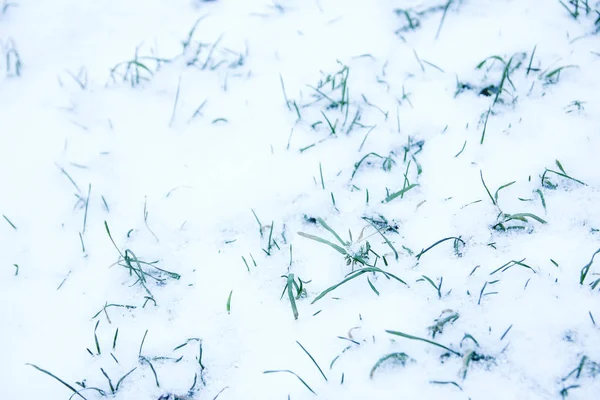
x: 334, y: 233
x: 353, y: 275
x: 384, y: 238
x: 327, y: 242
x: 500, y: 188
x: 486, y: 188
x: 75, y: 392
x: 357, y: 165
x: 586, y: 268
x: 123, y: 378
x: 456, y: 239
x: 562, y: 175
x: 372, y: 286
x: 397, y: 358
x: 523, y: 217
x: 404, y: 335
x: 293, y: 373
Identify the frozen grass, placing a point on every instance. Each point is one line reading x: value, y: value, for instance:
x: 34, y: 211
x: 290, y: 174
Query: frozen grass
x: 300, y: 199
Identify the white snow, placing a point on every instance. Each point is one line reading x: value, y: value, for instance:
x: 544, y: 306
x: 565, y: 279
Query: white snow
x: 120, y: 113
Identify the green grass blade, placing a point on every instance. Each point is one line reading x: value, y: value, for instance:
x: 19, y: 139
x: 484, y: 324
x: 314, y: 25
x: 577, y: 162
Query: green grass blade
x: 400, y: 193
x: 290, y: 291
x: 229, y: 303
x: 75, y: 392
x: 353, y: 275
x: 500, y: 188
x: 373, y: 286
x: 334, y: 233
x: 524, y: 216
x: 313, y: 360
x: 397, y: 358
x: 327, y: 242
x: 486, y: 188
x: 384, y: 238
x: 293, y: 373
x: 404, y: 335
x: 586, y: 269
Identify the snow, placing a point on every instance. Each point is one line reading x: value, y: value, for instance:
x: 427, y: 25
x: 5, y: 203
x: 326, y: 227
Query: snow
x: 174, y: 161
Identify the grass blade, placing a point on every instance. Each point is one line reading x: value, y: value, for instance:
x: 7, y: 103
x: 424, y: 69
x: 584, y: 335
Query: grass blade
x: 327, y: 242
x: 404, y: 335
x: 353, y: 275
x: 399, y: 193
x: 293, y: 373
x: 75, y: 392
x: 384, y: 238
x: 397, y: 358
x: 324, y: 224
x: 313, y: 360
x: 586, y: 268
x: 290, y: 291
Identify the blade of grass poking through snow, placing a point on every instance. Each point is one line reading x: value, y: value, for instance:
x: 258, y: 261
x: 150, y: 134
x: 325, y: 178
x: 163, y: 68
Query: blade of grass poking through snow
x: 334, y: 233
x: 87, y: 202
x: 461, y: 150
x: 290, y: 292
x: 110, y: 384
x: 500, y: 188
x: 531, y: 61
x: 505, y: 77
x: 556, y: 73
x: 313, y: 360
x: 399, y: 193
x: 539, y: 192
x: 68, y: 177
x: 404, y: 335
x: 321, y: 174
x: 396, y: 358
x: 9, y: 222
x: 356, y: 274
x: 437, y: 34
x: 487, y: 117
x: 120, y: 381
x: 114, y: 345
x: 152, y: 369
x: 96, y: 338
x: 287, y: 102
x: 458, y: 239
x: 111, y: 239
x: 437, y: 288
x: 384, y: 238
x: 586, y: 269
x: 523, y: 217
x: 270, y: 241
x: 229, y: 303
x: 331, y: 127
x: 357, y: 164
x: 486, y: 188
x: 258, y: 221
x: 293, y: 373
x: 372, y: 286
x: 176, y: 101
x: 142, y: 343
x: 75, y: 392
x: 320, y: 240
x: 544, y: 183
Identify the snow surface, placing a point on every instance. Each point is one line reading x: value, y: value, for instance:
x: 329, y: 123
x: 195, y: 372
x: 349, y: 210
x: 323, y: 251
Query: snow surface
x: 177, y: 182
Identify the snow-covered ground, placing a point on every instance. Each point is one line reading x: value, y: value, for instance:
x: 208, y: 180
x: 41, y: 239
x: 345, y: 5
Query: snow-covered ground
x: 185, y: 184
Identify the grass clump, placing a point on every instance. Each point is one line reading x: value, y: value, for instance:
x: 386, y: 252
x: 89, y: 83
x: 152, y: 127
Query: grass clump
x: 144, y: 272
